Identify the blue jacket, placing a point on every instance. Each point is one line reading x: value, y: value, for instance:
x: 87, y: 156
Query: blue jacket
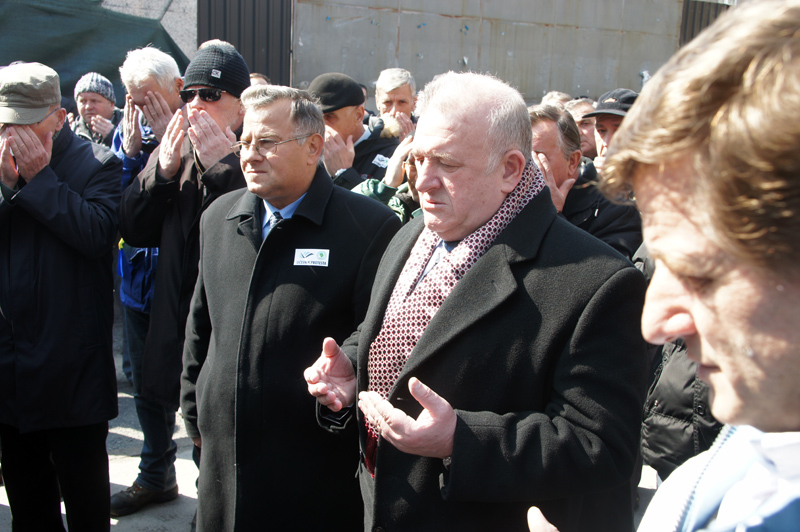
x: 706, y: 493
x: 136, y: 266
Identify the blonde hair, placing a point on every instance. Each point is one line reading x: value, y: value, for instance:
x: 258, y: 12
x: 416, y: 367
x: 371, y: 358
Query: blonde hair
x: 728, y: 104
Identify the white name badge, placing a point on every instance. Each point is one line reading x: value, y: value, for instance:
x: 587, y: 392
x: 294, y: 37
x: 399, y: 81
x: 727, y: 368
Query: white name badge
x: 381, y: 160
x: 311, y: 257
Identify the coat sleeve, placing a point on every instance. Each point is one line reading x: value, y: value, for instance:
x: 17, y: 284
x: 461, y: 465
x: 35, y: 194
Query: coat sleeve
x: 589, y: 428
x: 195, y: 347
x: 85, y: 220
x: 337, y: 421
x: 145, y: 204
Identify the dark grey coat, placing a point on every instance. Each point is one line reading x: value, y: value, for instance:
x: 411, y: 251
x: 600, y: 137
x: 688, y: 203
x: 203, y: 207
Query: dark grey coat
x: 538, y: 349
x: 256, y: 322
x: 156, y: 212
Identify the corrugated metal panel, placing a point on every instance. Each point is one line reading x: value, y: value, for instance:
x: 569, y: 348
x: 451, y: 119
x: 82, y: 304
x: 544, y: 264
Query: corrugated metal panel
x: 260, y: 30
x: 698, y: 15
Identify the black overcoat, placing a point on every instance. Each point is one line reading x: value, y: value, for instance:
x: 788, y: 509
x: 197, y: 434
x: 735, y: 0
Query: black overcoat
x: 162, y: 213
x: 57, y: 234
x: 538, y: 349
x: 257, y: 320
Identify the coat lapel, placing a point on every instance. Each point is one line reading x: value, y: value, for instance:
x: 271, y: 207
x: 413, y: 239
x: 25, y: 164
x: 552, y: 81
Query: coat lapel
x: 249, y: 214
x: 487, y: 284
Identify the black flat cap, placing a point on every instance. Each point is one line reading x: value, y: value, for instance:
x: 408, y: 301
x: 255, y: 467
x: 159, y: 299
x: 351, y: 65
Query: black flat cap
x: 335, y: 90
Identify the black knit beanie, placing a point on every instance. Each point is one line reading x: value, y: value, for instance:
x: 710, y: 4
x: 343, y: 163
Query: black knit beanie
x: 219, y: 66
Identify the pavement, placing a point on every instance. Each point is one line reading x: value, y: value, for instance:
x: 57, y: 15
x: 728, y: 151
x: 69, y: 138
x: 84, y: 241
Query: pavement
x: 125, y: 442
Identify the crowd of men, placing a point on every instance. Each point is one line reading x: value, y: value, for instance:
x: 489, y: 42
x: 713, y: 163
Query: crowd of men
x: 431, y: 317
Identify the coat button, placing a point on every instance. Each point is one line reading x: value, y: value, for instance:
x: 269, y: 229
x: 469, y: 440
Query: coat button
x: 378, y: 529
x: 700, y: 410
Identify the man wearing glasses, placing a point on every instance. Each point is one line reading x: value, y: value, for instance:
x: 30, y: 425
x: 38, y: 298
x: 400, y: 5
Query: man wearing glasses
x: 187, y: 171
x: 58, y: 223
x: 283, y: 264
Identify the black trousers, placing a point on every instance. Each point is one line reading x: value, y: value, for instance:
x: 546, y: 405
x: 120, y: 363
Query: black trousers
x: 35, y: 464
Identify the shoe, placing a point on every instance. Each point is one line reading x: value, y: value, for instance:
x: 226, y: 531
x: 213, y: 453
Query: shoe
x: 137, y: 497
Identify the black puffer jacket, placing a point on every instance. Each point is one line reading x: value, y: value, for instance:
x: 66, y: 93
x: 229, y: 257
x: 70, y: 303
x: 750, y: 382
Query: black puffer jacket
x: 677, y: 417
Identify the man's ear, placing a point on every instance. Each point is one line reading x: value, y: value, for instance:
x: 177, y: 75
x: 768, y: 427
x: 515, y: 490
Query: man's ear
x: 358, y: 115
x: 61, y: 114
x: 573, y: 163
x: 314, y: 145
x: 178, y: 84
x: 513, y: 164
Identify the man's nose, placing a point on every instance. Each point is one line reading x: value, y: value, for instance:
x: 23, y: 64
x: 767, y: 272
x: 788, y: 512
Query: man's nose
x: 425, y: 178
x: 667, y: 313
x: 196, y: 102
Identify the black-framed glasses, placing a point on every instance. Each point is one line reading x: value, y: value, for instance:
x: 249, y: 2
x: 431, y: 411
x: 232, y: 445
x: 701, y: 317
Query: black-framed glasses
x: 207, y: 95
x: 263, y: 146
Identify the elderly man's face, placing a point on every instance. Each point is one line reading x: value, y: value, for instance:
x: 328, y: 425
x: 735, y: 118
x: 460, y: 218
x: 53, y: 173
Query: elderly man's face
x: 285, y: 174
x: 739, y: 322
x: 545, y: 140
x: 346, y: 121
x: 400, y: 100
x: 226, y: 112
x: 150, y: 84
x: 456, y: 194
x: 92, y: 104
x: 586, y: 127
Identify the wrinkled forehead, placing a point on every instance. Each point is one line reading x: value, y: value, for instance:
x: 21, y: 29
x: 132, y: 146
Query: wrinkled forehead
x: 268, y: 120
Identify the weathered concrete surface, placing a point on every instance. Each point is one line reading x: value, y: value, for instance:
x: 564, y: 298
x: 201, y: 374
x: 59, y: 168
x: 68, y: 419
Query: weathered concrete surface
x: 179, y: 19
x: 583, y: 47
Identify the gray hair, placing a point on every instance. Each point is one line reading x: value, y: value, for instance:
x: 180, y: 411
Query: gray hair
x: 574, y: 104
x: 305, y: 114
x: 394, y: 78
x: 149, y: 62
x: 569, y: 136
x: 556, y: 98
x: 457, y: 95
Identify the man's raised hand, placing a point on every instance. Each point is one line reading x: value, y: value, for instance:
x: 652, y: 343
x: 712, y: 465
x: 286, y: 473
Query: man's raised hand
x: 131, y: 134
x: 332, y: 379
x: 169, y: 156
x: 209, y: 141
x: 431, y: 434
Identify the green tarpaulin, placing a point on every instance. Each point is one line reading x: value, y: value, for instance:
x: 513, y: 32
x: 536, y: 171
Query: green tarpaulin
x: 74, y: 37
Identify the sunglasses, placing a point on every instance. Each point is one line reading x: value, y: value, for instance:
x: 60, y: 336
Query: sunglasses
x: 207, y: 95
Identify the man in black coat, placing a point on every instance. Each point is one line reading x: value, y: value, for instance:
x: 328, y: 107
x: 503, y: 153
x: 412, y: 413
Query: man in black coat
x: 185, y: 174
x: 572, y: 181
x: 500, y: 363
x: 353, y: 152
x: 58, y: 387
x: 282, y: 264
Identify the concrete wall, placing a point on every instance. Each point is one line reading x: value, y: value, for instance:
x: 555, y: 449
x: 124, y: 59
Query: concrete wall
x: 583, y: 47
x: 179, y: 18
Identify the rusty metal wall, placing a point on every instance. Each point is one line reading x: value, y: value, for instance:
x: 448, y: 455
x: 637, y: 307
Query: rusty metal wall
x: 583, y: 47
x: 698, y: 15
x: 260, y: 30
